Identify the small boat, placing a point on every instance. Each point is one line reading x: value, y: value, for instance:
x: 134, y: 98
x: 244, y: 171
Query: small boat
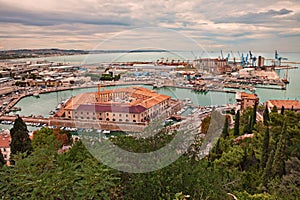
x: 285, y: 81
x: 51, y: 112
x: 15, y: 109
x: 36, y: 94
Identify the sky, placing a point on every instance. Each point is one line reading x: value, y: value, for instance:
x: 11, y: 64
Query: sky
x: 258, y: 25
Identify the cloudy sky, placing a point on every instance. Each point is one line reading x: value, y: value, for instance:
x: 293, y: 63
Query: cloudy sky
x: 259, y: 25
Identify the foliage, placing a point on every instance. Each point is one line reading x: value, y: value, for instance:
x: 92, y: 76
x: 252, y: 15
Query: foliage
x: 225, y: 131
x: 237, y: 124
x: 264, y: 166
x: 266, y: 116
x: 20, y: 141
x: 265, y: 148
x: 45, y: 174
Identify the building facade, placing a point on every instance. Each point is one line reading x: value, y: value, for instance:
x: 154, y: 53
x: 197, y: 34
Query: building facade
x: 131, y: 105
x: 245, y: 100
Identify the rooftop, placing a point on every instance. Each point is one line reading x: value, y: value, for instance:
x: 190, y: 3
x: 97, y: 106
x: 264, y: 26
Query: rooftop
x: 288, y: 104
x: 141, y: 97
x: 245, y: 95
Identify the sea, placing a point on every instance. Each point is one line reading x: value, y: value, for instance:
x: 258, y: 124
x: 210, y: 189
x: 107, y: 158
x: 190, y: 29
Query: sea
x: 49, y: 101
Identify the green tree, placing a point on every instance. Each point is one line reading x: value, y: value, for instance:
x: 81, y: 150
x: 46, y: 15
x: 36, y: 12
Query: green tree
x: 274, y: 109
x: 265, y: 149
x: 266, y: 116
x: 282, y: 110
x: 253, y: 122
x: 225, y: 131
x: 45, y: 174
x: 268, y: 170
x: 278, y: 167
x: 237, y: 124
x: 20, y: 141
x: 248, y: 126
x: 289, y: 188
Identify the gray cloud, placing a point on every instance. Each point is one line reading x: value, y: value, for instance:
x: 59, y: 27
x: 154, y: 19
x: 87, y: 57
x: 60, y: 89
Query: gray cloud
x: 210, y: 22
x: 254, y: 18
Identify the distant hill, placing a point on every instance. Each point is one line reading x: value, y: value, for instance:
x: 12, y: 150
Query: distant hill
x: 34, y: 53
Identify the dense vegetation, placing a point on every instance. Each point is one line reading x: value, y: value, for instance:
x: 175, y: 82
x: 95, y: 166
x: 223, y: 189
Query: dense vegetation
x: 263, y: 166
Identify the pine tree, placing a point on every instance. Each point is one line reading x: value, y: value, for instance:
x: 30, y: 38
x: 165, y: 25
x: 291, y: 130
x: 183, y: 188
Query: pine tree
x: 278, y: 167
x: 225, y: 131
x: 282, y: 110
x: 237, y: 124
x: 268, y: 170
x: 266, y: 116
x: 248, y: 126
x: 265, y: 149
x: 20, y: 141
x: 253, y: 122
x: 274, y: 109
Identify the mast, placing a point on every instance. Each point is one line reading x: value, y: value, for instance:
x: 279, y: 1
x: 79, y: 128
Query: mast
x: 99, y: 93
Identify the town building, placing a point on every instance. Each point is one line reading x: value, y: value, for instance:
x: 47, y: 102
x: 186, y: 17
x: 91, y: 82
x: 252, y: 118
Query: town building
x: 245, y: 100
x: 130, y: 106
x: 287, y: 104
x: 5, y: 140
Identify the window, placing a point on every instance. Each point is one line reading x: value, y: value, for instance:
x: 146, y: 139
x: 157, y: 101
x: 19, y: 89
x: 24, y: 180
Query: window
x: 133, y: 115
x: 94, y: 118
x: 107, y: 114
x: 114, y: 120
x: 126, y: 115
x: 134, y: 120
x: 100, y: 114
x: 120, y: 120
x: 87, y: 117
x: 107, y: 119
x: 120, y: 115
x: 100, y: 118
x: 113, y: 114
x: 87, y: 113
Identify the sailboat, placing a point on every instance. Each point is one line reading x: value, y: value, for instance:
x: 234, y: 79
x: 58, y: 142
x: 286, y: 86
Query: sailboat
x: 285, y: 79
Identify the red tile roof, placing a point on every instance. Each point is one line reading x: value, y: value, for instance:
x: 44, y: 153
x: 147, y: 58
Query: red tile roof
x: 288, y: 104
